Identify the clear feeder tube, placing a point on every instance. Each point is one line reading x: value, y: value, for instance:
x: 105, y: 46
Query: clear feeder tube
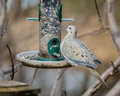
x: 50, y: 26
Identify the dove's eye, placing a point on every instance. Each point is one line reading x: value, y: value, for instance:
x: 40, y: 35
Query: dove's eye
x: 70, y: 28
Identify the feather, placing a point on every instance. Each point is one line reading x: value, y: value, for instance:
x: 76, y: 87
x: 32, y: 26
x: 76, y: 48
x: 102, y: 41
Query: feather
x: 97, y: 61
x: 96, y: 74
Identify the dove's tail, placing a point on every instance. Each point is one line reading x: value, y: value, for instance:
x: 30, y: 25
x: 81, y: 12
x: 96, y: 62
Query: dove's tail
x: 96, y: 74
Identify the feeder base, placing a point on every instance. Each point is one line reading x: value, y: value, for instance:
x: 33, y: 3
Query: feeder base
x: 27, y: 59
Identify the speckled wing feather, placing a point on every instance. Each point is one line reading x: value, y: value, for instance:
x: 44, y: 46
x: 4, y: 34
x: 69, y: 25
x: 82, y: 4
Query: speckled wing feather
x: 76, y: 54
x: 84, y: 46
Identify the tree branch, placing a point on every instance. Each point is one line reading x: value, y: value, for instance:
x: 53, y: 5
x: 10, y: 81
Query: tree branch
x: 94, y: 32
x: 12, y: 72
x: 7, y: 71
x: 63, y: 93
x: 105, y: 76
x: 112, y: 23
x: 116, y: 38
x: 16, y: 68
x: 61, y: 72
x: 35, y: 72
x: 99, y: 16
x: 3, y: 24
x: 3, y: 17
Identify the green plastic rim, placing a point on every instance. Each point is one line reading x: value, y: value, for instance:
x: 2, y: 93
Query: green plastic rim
x: 46, y: 59
x: 60, y: 13
x: 39, y: 11
x: 55, y: 49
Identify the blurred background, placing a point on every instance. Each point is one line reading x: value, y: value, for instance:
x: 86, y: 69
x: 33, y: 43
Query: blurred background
x: 23, y: 35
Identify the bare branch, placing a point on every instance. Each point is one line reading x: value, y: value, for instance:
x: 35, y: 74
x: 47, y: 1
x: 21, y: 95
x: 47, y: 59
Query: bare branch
x: 3, y: 17
x: 99, y: 16
x: 7, y: 71
x: 16, y: 68
x: 3, y: 23
x: 63, y: 93
x: 97, y: 85
x: 115, y: 91
x: 35, y: 72
x: 112, y: 23
x: 94, y: 32
x: 56, y: 81
x: 12, y: 72
x: 116, y: 38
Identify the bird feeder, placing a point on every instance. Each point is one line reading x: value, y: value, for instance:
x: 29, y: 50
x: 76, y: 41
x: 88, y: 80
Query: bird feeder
x: 48, y: 55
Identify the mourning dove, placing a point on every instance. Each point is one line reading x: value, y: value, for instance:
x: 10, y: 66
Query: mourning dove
x: 77, y: 53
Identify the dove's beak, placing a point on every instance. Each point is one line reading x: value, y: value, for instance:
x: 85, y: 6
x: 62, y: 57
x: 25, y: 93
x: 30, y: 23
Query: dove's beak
x: 65, y: 29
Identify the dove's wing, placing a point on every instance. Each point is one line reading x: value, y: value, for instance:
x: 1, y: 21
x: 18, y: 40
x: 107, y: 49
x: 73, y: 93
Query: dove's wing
x: 76, y: 54
x: 94, y: 58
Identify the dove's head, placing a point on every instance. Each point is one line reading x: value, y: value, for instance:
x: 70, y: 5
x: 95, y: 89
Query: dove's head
x: 72, y: 30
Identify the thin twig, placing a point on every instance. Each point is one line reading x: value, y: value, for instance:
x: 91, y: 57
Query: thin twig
x: 16, y: 68
x: 63, y: 93
x: 12, y: 72
x: 105, y: 76
x: 100, y: 19
x: 35, y: 72
x: 56, y: 81
x: 7, y: 71
x: 93, y: 32
x: 3, y: 28
x: 99, y: 16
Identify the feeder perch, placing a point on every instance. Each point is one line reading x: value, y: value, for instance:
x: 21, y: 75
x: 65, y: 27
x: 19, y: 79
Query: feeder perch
x: 48, y: 55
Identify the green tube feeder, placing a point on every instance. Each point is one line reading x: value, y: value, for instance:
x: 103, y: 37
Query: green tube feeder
x: 50, y: 29
x: 48, y: 55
